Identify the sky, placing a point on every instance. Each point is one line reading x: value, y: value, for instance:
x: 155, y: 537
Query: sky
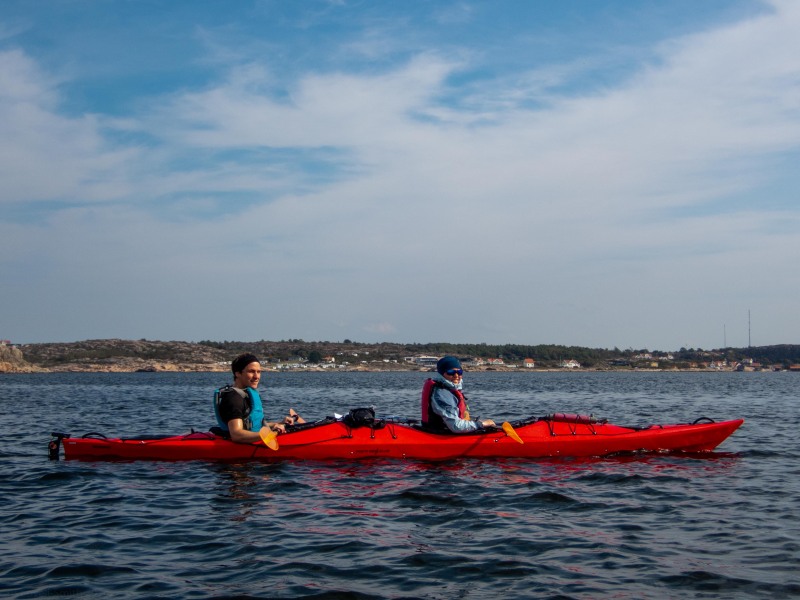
x: 610, y: 174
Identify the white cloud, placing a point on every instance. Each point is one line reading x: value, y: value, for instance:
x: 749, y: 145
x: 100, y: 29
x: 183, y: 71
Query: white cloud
x: 47, y: 156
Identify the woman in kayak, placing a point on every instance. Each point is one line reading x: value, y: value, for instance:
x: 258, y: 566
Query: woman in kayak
x: 238, y: 408
x: 444, y: 406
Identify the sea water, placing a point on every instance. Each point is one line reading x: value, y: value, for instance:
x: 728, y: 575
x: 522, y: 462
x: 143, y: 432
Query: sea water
x: 722, y: 526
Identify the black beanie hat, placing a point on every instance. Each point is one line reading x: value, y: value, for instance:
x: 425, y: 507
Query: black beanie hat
x: 240, y: 362
x: 447, y: 362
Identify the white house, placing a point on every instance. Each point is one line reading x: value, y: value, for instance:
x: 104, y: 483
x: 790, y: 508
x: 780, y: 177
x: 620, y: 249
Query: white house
x: 570, y: 364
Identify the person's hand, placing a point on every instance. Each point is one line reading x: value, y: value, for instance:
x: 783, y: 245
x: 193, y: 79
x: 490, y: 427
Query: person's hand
x: 488, y: 423
x: 278, y: 427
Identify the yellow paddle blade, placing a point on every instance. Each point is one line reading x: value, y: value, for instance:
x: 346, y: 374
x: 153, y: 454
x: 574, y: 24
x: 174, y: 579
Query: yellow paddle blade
x: 269, y: 437
x: 511, y: 433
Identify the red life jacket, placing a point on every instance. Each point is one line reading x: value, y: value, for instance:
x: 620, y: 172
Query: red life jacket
x: 429, y: 418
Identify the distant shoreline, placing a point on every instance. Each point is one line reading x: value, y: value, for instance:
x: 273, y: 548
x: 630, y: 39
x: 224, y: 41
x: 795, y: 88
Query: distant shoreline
x: 131, y: 356
x: 174, y: 368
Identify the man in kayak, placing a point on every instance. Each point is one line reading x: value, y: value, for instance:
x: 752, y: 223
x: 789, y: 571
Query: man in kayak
x: 238, y: 408
x: 444, y: 406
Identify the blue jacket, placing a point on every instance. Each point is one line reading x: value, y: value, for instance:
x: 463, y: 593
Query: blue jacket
x: 445, y: 404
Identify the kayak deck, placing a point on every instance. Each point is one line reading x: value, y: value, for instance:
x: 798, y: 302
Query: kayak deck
x: 334, y: 440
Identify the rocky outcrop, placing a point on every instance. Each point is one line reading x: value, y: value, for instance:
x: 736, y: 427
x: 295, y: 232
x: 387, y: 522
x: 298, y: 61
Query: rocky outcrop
x: 13, y: 361
x: 126, y: 356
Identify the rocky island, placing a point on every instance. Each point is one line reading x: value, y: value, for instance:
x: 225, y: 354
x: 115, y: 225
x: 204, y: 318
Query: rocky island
x: 117, y: 355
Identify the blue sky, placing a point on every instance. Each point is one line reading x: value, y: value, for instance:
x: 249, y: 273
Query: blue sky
x: 604, y: 174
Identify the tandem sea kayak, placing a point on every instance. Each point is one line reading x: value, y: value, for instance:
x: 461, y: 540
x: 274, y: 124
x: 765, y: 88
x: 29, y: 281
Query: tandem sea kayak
x: 559, y: 435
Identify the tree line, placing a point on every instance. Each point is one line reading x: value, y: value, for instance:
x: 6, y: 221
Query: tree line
x: 545, y: 354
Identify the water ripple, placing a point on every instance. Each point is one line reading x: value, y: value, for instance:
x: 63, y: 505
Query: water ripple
x: 644, y: 527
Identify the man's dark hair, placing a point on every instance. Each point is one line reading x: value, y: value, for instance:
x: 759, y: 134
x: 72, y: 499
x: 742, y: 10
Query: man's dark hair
x: 240, y: 362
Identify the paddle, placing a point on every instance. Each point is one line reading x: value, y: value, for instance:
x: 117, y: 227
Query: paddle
x: 511, y: 433
x: 269, y: 437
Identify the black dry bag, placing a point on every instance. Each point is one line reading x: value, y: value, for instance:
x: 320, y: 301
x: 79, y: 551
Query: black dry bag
x: 360, y: 417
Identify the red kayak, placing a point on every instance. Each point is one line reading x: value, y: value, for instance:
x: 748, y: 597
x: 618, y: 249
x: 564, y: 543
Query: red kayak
x: 335, y: 439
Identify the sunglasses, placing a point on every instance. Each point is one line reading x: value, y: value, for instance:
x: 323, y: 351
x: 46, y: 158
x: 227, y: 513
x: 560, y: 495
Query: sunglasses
x: 454, y: 371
